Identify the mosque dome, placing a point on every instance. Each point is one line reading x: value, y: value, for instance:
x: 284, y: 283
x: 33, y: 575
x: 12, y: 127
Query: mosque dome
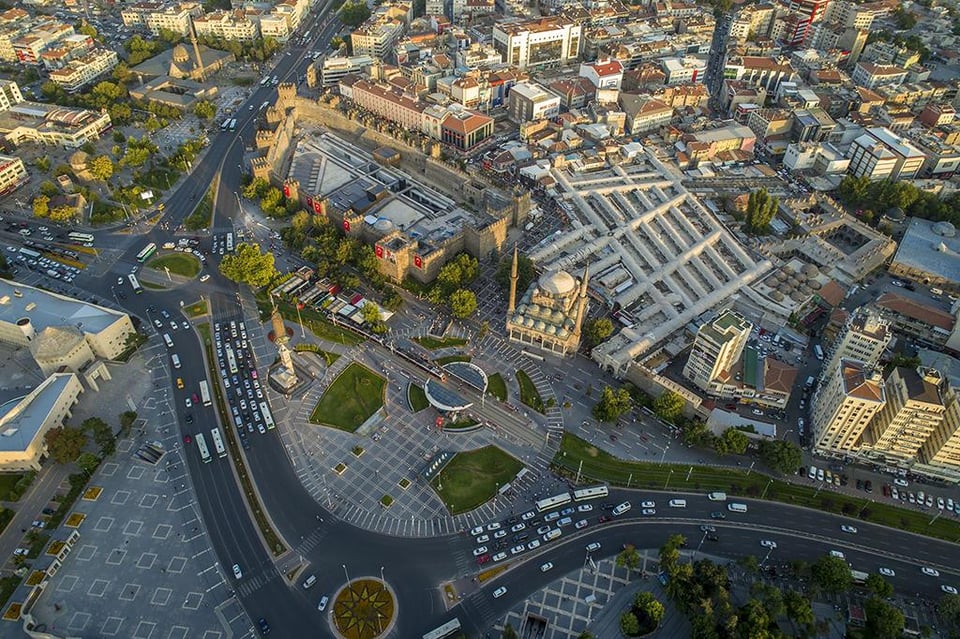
x: 557, y: 283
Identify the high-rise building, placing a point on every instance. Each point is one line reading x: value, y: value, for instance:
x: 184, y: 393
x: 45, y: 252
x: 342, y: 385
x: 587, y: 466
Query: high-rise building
x: 541, y: 42
x: 717, y: 347
x: 913, y: 411
x: 881, y: 154
x: 940, y: 454
x: 848, y: 398
x: 797, y: 17
x: 864, y: 337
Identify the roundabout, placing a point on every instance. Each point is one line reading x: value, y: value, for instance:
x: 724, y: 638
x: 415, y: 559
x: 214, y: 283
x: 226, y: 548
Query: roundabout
x: 364, y: 608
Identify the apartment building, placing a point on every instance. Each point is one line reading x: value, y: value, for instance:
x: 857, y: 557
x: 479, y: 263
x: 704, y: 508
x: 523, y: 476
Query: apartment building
x: 377, y: 37
x: 542, y: 42
x: 229, y: 25
x: 80, y: 72
x: 940, y: 454
x: 28, y: 47
x: 529, y: 102
x: 760, y: 71
x: 873, y: 76
x: 848, y: 398
x: 603, y: 74
x: 389, y: 103
x: 335, y: 69
x: 717, y: 347
x: 913, y: 411
x: 864, y: 337
x: 752, y: 21
x: 9, y: 94
x: 880, y: 154
x: 683, y: 69
x: 464, y: 129
x: 644, y: 113
x: 796, y: 18
x: 850, y: 14
x: 153, y: 16
x: 13, y: 174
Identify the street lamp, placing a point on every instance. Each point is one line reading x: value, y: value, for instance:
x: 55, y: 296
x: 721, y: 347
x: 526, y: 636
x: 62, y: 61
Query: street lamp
x: 664, y: 455
x: 345, y: 572
x: 669, y: 475
x: 769, y: 481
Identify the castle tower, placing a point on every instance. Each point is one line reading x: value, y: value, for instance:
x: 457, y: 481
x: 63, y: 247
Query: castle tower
x: 514, y: 275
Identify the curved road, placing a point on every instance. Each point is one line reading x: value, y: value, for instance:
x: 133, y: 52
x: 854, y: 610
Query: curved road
x: 416, y: 567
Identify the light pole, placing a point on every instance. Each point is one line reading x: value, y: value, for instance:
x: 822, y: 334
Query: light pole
x: 664, y: 455
x: 345, y: 572
x: 787, y: 433
x: 764, y: 494
x: 767, y: 556
x: 666, y: 483
x: 749, y: 470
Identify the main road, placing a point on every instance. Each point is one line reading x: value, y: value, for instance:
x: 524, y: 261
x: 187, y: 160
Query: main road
x: 416, y: 567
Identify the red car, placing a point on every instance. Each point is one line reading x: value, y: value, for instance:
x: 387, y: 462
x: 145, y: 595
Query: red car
x: 482, y: 559
x: 187, y: 439
x: 196, y: 400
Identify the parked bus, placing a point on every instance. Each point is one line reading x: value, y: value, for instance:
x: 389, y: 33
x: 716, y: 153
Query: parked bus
x: 135, y: 283
x: 225, y: 125
x: 444, y: 631
x: 553, y: 502
x: 147, y: 251
x: 80, y: 238
x: 28, y: 253
x: 231, y: 361
x: 267, y: 417
x: 590, y: 493
x: 205, y: 392
x: 204, y: 451
x: 218, y: 442
x: 233, y: 124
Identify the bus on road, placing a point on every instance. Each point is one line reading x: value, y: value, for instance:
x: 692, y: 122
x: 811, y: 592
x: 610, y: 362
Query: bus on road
x: 595, y: 492
x: 267, y: 417
x: 553, y: 502
x: 147, y: 251
x: 80, y: 238
x: 204, y: 451
x: 231, y: 361
x: 218, y: 442
x: 205, y: 392
x: 135, y: 283
x: 444, y: 631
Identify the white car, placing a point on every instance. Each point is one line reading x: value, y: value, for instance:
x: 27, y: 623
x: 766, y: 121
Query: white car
x: 494, y: 526
x: 767, y: 543
x: 516, y: 550
x: 476, y: 531
x: 903, y: 483
x: 584, y: 508
x: 204, y: 277
x: 546, y: 567
x: 950, y: 590
x: 323, y: 603
x: 837, y: 554
x: 479, y: 551
x: 528, y: 515
x: 849, y: 529
x: 499, y: 592
x: 533, y: 545
x: 482, y: 539
x: 648, y: 511
x: 188, y: 402
x: 500, y: 534
x: 940, y: 503
x: 887, y: 572
x: 236, y: 571
x: 648, y: 504
x: 518, y: 527
x: 543, y: 530
x: 930, y: 572
x: 500, y: 556
x: 580, y: 525
x: 708, y: 529
x: 758, y: 412
x: 593, y: 547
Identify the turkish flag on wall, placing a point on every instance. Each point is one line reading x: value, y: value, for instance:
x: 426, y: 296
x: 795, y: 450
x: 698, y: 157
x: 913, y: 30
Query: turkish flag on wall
x: 379, y: 251
x: 316, y: 206
x: 346, y: 225
x: 286, y: 190
x: 417, y: 261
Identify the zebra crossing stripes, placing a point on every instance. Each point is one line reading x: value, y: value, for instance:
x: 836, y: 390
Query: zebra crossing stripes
x: 253, y: 584
x: 312, y: 541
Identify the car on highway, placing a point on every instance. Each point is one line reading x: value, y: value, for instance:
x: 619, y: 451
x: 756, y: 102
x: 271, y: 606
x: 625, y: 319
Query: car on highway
x: 580, y: 525
x: 323, y: 603
x: 533, y: 545
x: 768, y: 543
x: 648, y: 511
x: 499, y: 592
x: 593, y: 547
x: 950, y: 590
x: 264, y: 626
x: 648, y: 504
x: 604, y: 518
x: 546, y: 567
x: 837, y: 554
x: 204, y: 277
x: 479, y: 551
x: 187, y: 402
x: 236, y: 571
x: 708, y: 528
x: 886, y: 572
x: 930, y: 572
x: 718, y: 515
x: 180, y: 382
x: 482, y: 539
x: 21, y: 552
x: 849, y: 529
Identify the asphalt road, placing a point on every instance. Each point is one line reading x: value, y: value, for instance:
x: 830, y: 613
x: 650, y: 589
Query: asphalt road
x: 416, y: 567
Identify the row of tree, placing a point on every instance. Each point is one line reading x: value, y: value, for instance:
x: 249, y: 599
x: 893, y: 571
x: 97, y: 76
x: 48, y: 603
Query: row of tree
x: 876, y: 198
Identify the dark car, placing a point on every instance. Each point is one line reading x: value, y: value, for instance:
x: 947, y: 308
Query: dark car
x: 48, y: 511
x: 713, y: 537
x: 859, y: 484
x: 608, y: 506
x: 868, y: 486
x: 604, y: 518
x: 264, y: 626
x: 717, y: 514
x: 189, y: 418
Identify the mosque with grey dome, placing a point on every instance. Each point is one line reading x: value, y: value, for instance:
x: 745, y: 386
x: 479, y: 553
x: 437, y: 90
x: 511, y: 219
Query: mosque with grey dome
x: 550, y: 314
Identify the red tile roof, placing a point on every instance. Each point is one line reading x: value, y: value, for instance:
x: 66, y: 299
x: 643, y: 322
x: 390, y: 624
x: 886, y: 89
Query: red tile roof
x: 915, y: 310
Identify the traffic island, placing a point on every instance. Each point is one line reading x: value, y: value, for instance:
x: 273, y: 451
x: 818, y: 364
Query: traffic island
x: 353, y: 397
x: 473, y: 478
x: 364, y: 608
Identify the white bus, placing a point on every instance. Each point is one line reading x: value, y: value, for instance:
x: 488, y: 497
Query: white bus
x: 231, y: 361
x: 80, y: 238
x: 225, y: 125
x: 553, y: 502
x: 204, y: 451
x: 229, y: 242
x: 205, y: 392
x: 444, y: 631
x: 135, y: 283
x: 218, y: 442
x: 595, y: 492
x: 29, y: 253
x: 267, y: 417
x: 147, y: 251
x: 233, y: 124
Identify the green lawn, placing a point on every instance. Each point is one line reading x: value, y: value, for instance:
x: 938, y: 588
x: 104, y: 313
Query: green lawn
x: 179, y: 264
x: 196, y: 309
x: 320, y: 325
x: 528, y: 392
x: 7, y: 482
x: 473, y: 478
x: 600, y: 466
x: 439, y: 342
x: 440, y: 361
x: 497, y: 387
x: 417, y: 398
x: 352, y: 398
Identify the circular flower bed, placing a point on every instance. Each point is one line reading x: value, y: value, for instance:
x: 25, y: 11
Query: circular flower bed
x: 364, y: 609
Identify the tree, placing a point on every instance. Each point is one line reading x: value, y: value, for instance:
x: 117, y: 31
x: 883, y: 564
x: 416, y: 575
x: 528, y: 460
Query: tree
x: 832, y: 574
x: 760, y: 210
x: 949, y: 608
x: 247, y: 265
x: 629, y: 558
x: 798, y: 608
x: 41, y: 206
x: 48, y: 188
x: 884, y: 621
x: 781, y: 456
x: 525, y: 273
x: 463, y: 303
x: 65, y: 443
x: 612, y: 404
x: 87, y: 463
x: 629, y: 624
x: 508, y: 632
x: 668, y: 406
x: 649, y: 608
x: 63, y: 213
x: 596, y: 330
x: 102, y: 434
x: 205, y: 110
x: 694, y: 432
x: 100, y: 167
x: 734, y: 441
x: 879, y: 586
x: 353, y: 14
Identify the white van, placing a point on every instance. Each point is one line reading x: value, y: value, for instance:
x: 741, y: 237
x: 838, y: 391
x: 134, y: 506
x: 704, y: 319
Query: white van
x: 622, y: 508
x: 735, y: 507
x: 837, y: 554
x: 717, y: 496
x: 309, y: 581
x: 678, y: 503
x: 167, y: 340
x: 176, y: 360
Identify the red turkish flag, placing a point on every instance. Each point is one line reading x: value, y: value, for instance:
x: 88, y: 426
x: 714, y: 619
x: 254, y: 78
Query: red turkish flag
x: 286, y: 190
x: 309, y: 201
x: 379, y: 251
x: 417, y: 261
x: 316, y: 206
x: 346, y: 226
